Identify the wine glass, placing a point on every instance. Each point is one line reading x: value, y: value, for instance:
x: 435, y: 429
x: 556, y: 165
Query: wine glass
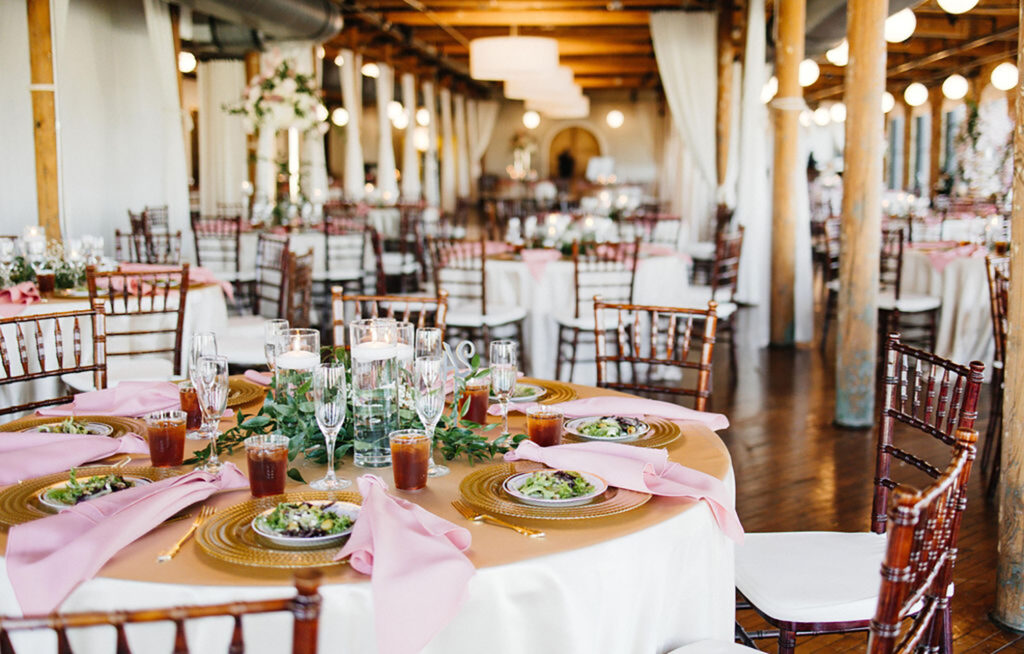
x: 6, y: 261
x: 428, y: 342
x: 329, y: 401
x: 211, y: 380
x: 504, y: 362
x: 272, y: 330
x: 406, y: 342
x: 203, y: 344
x: 428, y: 378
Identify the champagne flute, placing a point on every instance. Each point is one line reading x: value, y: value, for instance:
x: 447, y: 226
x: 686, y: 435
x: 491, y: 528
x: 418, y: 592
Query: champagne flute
x: 504, y: 361
x: 211, y: 380
x: 272, y: 330
x: 428, y: 342
x: 203, y: 344
x: 329, y: 402
x: 428, y: 377
x: 406, y: 345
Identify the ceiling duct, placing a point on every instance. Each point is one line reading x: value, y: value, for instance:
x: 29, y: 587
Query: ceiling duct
x: 826, y: 22
x: 276, y: 20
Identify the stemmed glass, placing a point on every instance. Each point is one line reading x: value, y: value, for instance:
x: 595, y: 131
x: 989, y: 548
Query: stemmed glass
x: 428, y: 379
x: 203, y: 344
x: 329, y: 400
x: 504, y: 361
x: 406, y: 339
x: 272, y: 330
x: 6, y: 261
x: 211, y: 380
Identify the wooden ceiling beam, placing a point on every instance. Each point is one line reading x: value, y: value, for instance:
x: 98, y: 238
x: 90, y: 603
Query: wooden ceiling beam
x: 639, y: 33
x: 576, y: 48
x: 541, y: 18
x: 613, y: 82
x: 616, y: 66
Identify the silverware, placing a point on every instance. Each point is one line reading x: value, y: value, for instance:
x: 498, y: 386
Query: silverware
x: 205, y: 513
x: 470, y: 513
x: 123, y: 462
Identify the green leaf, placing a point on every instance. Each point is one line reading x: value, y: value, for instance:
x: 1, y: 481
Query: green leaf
x: 295, y: 475
x: 255, y: 422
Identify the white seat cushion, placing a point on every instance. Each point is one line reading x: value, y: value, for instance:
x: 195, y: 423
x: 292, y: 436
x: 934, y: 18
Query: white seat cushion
x: 832, y: 285
x: 119, y: 369
x: 337, y: 275
x: 395, y: 263
x: 704, y: 250
x: 242, y: 343
x: 498, y: 315
x: 712, y: 647
x: 697, y: 297
x: 811, y: 576
x: 909, y: 302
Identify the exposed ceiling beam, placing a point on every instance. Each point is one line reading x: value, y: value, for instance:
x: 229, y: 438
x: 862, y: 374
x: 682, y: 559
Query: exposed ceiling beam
x: 505, y: 19
x: 577, y: 48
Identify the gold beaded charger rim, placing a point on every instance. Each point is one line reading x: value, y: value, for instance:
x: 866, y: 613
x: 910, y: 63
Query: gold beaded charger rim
x: 662, y: 433
x: 483, y: 489
x: 556, y: 391
x: 120, y: 424
x: 20, y: 503
x: 228, y: 535
x: 241, y: 391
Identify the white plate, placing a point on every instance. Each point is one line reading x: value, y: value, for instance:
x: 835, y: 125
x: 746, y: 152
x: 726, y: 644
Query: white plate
x: 537, y: 393
x: 94, y: 428
x: 574, y: 427
x: 297, y: 543
x: 57, y: 506
x: 512, y: 484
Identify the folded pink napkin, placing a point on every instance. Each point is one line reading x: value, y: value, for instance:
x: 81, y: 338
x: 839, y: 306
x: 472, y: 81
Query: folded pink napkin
x: 257, y: 377
x: 24, y: 455
x: 537, y: 260
x: 196, y: 275
x: 625, y: 407
x: 128, y: 398
x: 14, y: 299
x: 942, y: 258
x: 416, y: 562
x: 661, y: 250
x: 641, y: 469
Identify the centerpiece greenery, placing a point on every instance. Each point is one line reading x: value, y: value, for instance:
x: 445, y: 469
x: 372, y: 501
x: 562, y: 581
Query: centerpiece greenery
x: 67, y: 274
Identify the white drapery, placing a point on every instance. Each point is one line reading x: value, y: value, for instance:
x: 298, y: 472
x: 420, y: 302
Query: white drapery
x: 461, y: 148
x: 431, y: 183
x: 18, y: 203
x: 686, y: 51
x: 351, y: 91
x: 313, y: 158
x: 483, y: 116
x: 447, y: 152
x: 726, y: 193
x: 410, y: 158
x: 222, y: 146
x: 387, y: 182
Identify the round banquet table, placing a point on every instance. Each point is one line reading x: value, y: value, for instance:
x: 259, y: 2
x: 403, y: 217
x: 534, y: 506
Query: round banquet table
x: 645, y: 581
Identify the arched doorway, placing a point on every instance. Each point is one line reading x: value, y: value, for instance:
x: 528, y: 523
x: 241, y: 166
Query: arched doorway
x: 580, y: 144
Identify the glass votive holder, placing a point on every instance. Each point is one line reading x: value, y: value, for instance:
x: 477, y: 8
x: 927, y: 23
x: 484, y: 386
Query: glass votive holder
x: 267, y: 458
x: 165, y: 431
x: 410, y: 458
x: 544, y: 425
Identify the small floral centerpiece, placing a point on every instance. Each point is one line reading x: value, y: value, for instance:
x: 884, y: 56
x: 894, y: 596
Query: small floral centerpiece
x: 68, y: 270
x: 281, y: 100
x: 984, y: 153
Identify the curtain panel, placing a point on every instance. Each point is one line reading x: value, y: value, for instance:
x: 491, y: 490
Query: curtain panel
x: 351, y: 94
x: 222, y: 143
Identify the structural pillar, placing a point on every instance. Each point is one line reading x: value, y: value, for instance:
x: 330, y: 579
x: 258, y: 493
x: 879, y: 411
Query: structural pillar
x: 1009, y: 578
x: 856, y: 337
x: 726, y: 55
x: 908, y: 145
x: 789, y: 52
x: 44, y: 116
x: 935, y: 144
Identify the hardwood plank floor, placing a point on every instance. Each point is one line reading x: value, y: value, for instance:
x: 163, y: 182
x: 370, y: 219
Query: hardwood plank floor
x: 795, y: 470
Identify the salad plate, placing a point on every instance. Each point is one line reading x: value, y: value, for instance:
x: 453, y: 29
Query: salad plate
x: 74, y: 426
x: 525, y: 393
x: 309, y: 524
x: 554, y: 488
x: 607, y: 428
x: 63, y: 494
x: 113, y: 426
x: 75, y: 292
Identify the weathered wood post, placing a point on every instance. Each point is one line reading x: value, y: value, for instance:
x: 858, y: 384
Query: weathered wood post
x: 726, y: 55
x: 44, y: 116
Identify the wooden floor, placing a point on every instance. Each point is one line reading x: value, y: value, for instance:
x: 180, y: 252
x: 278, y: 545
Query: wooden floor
x: 796, y: 471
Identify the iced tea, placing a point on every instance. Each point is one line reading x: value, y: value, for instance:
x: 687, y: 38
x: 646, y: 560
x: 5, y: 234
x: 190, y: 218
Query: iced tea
x: 165, y: 431
x: 477, y: 393
x: 544, y: 425
x: 410, y: 458
x: 190, y: 405
x: 267, y: 459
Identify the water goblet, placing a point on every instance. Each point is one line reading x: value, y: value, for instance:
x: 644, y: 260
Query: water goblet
x: 330, y: 402
x: 504, y: 364
x: 212, y: 388
x: 202, y: 344
x: 272, y: 331
x: 428, y: 378
x: 428, y: 342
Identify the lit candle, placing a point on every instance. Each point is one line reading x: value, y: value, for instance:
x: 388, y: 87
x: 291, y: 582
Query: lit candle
x: 297, y: 360
x: 404, y: 353
x: 374, y: 351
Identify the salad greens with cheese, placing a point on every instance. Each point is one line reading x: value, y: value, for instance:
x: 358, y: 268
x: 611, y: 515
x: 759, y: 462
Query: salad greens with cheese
x: 67, y: 426
x: 304, y: 520
x: 76, y: 490
x: 610, y: 427
x: 556, y: 485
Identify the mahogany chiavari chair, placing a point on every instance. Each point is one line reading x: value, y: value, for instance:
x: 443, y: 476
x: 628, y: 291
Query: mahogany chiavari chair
x: 242, y: 342
x: 913, y: 313
x: 345, y: 240
x: 127, y: 246
x: 830, y: 273
x: 218, y: 242
x: 156, y: 219
x: 807, y: 583
x: 268, y: 286
x: 160, y: 247
x: 998, y: 271
x: 145, y: 316
x: 51, y: 345
x: 608, y: 270
x: 657, y: 338
x: 304, y: 607
x: 298, y: 289
x: 421, y: 311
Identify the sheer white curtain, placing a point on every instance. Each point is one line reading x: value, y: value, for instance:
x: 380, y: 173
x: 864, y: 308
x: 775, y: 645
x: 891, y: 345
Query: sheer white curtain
x: 431, y: 183
x: 351, y: 94
x: 18, y: 203
x: 685, y: 48
x: 410, y: 158
x: 461, y: 148
x: 387, y: 183
x: 222, y: 146
x: 447, y: 152
x: 482, y: 116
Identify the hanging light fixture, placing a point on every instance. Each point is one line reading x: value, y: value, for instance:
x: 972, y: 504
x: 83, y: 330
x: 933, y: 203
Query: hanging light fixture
x: 806, y: 117
x: 421, y: 138
x: 321, y: 52
x: 552, y: 85
x: 888, y: 102
x: 340, y: 116
x: 916, y: 94
x: 574, y: 106
x: 395, y: 109
x: 770, y: 88
x: 1004, y: 76
x: 531, y: 119
x: 837, y: 112
x: 339, y: 61
x: 615, y: 119
x: 955, y: 87
x: 900, y: 26
x: 839, y: 55
x: 186, y: 61
x: 508, y: 57
x: 400, y: 121
x: 808, y: 72
x: 957, y: 6
x: 370, y: 69
x: 822, y: 116
x: 422, y: 117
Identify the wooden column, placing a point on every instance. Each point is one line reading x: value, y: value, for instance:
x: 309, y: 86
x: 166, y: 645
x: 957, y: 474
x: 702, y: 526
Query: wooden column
x: 1009, y: 576
x: 935, y: 144
x: 856, y: 347
x: 252, y: 69
x: 908, y: 145
x: 44, y: 116
x: 789, y: 52
x: 726, y: 55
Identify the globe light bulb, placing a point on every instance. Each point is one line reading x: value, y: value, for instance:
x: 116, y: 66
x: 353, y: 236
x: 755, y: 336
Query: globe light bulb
x: 822, y: 116
x: 186, y: 62
x: 422, y: 117
x: 837, y: 112
x: 957, y: 6
x: 615, y: 119
x: 808, y: 72
x: 531, y: 119
x: 888, y: 102
x: 900, y: 26
x: 370, y: 69
x: 770, y: 88
x: 839, y: 55
x: 340, y: 117
x: 1004, y: 76
x: 955, y: 87
x: 916, y: 94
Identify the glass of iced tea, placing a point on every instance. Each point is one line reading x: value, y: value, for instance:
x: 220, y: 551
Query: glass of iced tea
x: 410, y: 458
x: 544, y: 425
x: 476, y: 394
x: 267, y: 458
x: 46, y: 282
x: 190, y: 405
x: 166, y: 434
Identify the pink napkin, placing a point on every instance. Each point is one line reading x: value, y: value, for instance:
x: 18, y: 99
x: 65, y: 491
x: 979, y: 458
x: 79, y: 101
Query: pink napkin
x: 48, y: 558
x: 14, y: 299
x: 625, y: 407
x: 416, y: 563
x: 257, y: 377
x: 942, y: 258
x: 641, y: 469
x: 24, y: 455
x: 196, y: 275
x: 537, y: 260
x: 661, y: 250
x: 128, y: 398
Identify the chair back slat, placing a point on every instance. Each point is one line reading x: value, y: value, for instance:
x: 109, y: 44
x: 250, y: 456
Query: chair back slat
x: 298, y: 288
x: 268, y: 290
x: 460, y: 268
x: 605, y: 269
x: 998, y: 272
x: 422, y: 311
x: 345, y: 241
x: 122, y: 637
x: 725, y: 268
x: 218, y: 242
x: 890, y: 260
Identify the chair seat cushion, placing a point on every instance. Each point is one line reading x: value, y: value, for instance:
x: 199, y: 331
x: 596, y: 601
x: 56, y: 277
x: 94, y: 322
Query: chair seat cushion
x: 471, y: 317
x: 909, y: 302
x: 811, y: 576
x: 712, y: 647
x: 703, y: 250
x: 697, y: 297
x: 242, y: 342
x: 338, y: 275
x: 119, y: 369
x: 396, y: 263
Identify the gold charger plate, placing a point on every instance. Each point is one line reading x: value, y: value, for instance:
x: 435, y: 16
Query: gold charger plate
x: 556, y: 390
x: 121, y: 425
x: 228, y: 535
x: 662, y: 433
x: 241, y: 391
x: 20, y: 503
x: 483, y: 489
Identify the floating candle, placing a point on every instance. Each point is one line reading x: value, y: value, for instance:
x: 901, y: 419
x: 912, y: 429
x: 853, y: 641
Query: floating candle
x: 297, y: 360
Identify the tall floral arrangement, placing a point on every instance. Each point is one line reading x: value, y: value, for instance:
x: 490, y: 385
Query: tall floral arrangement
x: 282, y: 99
x: 984, y: 153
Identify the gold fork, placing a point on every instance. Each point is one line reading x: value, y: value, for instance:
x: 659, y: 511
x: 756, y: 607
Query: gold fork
x: 205, y: 513
x: 470, y: 513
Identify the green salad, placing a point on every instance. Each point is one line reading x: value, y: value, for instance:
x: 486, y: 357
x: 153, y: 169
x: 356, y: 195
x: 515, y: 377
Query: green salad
x: 556, y: 485
x: 76, y: 490
x: 521, y: 392
x: 610, y: 427
x: 67, y: 426
x: 304, y: 520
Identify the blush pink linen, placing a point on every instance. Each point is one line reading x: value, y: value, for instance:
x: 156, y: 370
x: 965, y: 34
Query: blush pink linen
x: 257, y: 377
x: 942, y: 258
x: 625, y: 407
x: 196, y: 275
x: 14, y: 299
x: 24, y: 455
x: 537, y: 260
x: 128, y: 399
x: 48, y: 558
x: 415, y: 559
x: 641, y: 469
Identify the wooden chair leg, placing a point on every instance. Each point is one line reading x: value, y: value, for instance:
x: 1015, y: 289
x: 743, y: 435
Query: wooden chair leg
x: 524, y: 358
x: 558, y: 353
x: 830, y: 308
x: 572, y: 357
